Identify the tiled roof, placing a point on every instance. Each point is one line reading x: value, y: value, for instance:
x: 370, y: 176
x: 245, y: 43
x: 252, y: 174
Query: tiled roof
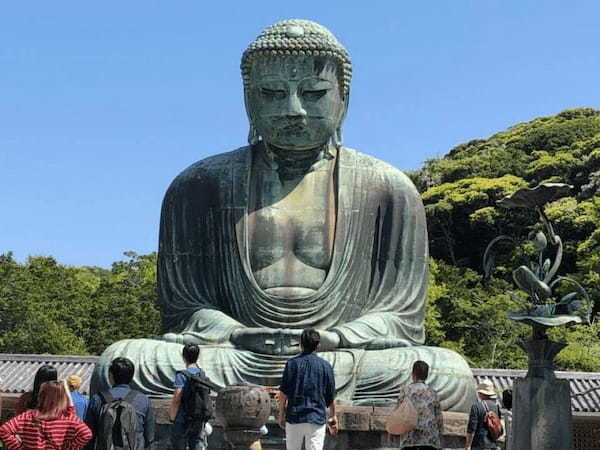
x: 585, y: 387
x: 17, y: 371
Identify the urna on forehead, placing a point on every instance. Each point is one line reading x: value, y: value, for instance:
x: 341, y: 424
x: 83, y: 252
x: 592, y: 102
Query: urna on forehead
x: 296, y: 38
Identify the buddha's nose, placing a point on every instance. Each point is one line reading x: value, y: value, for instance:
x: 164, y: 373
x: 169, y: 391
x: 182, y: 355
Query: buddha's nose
x: 294, y: 106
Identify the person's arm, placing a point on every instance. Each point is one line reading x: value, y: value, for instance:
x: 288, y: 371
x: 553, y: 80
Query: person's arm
x: 178, y: 385
x: 82, y: 433
x: 330, y: 399
x: 10, y: 432
x: 149, y: 424
x: 332, y: 421
x: 471, y: 426
x: 68, y: 392
x: 282, y: 403
x: 469, y: 441
x: 282, y: 397
x: 175, y: 404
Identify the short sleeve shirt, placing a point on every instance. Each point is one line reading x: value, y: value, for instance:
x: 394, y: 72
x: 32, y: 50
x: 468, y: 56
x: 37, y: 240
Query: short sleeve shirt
x: 180, y: 383
x: 481, y: 436
x: 309, y: 385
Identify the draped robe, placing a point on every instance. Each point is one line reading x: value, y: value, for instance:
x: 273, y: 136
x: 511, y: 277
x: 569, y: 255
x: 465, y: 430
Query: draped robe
x: 373, y: 296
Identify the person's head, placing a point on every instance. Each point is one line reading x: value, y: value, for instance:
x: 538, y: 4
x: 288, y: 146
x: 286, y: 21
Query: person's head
x: 486, y: 390
x: 74, y: 381
x: 309, y: 340
x: 507, y: 398
x: 420, y: 371
x: 121, y: 371
x: 190, y: 353
x: 52, y: 400
x: 296, y: 86
x: 44, y: 373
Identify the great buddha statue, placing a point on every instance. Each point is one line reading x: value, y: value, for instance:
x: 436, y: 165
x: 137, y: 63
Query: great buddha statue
x: 290, y: 231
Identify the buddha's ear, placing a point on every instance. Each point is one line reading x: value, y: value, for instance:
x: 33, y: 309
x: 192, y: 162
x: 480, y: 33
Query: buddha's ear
x: 253, y: 136
x: 338, y: 138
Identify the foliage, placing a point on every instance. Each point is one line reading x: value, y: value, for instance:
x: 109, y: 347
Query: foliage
x: 46, y: 307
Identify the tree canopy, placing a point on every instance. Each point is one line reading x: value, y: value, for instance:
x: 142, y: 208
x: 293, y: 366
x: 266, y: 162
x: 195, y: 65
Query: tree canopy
x: 47, y: 307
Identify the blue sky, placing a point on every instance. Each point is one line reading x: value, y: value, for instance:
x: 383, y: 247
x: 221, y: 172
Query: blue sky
x: 102, y: 104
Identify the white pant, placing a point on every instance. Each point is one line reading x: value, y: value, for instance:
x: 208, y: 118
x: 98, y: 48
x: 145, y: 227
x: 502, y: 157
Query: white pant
x: 313, y: 435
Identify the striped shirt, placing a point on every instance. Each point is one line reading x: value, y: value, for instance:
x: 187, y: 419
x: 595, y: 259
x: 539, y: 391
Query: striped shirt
x: 27, y: 432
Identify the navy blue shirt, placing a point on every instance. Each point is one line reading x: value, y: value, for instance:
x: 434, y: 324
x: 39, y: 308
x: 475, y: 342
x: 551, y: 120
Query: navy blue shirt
x: 309, y: 385
x: 141, y: 403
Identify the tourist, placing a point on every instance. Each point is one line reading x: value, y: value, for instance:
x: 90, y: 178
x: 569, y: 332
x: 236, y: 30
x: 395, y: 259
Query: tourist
x: 427, y: 434
x: 507, y: 415
x: 307, y: 389
x: 29, y: 400
x: 53, y: 424
x: 79, y: 400
x: 478, y: 436
x: 185, y: 434
x: 121, y: 372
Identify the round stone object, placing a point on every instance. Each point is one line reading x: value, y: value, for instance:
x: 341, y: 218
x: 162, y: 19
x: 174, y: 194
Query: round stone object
x: 243, y: 406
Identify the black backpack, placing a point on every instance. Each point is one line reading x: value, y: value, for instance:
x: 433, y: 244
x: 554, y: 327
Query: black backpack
x: 117, y: 423
x: 196, y: 402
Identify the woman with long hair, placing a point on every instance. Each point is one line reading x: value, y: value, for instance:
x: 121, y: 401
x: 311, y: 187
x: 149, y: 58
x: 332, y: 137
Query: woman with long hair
x: 53, y: 425
x: 29, y: 399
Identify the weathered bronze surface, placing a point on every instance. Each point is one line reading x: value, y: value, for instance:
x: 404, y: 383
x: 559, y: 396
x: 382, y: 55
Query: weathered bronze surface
x: 295, y: 230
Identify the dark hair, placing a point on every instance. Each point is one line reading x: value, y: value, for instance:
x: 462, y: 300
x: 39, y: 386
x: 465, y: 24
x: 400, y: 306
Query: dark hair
x: 309, y: 340
x: 44, y: 373
x: 53, y: 400
x: 507, y: 398
x: 420, y: 370
x: 122, y: 370
x: 190, y: 353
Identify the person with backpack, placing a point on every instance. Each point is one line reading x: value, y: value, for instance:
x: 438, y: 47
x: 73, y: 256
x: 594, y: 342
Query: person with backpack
x: 191, y: 407
x: 429, y: 424
x: 484, y: 427
x: 121, y: 417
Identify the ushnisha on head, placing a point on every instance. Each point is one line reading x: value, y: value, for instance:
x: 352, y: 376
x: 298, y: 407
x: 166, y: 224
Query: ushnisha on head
x: 296, y: 84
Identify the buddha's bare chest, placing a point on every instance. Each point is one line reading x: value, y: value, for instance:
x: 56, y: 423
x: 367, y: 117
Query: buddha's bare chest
x: 291, y: 225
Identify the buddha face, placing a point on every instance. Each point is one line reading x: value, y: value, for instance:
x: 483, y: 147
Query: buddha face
x: 295, y: 102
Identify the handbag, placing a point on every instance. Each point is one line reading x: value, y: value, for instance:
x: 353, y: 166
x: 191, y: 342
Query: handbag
x: 403, y: 419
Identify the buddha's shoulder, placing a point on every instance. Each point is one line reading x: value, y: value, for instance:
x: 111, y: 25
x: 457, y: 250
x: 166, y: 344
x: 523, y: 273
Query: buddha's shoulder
x: 215, y: 167
x: 378, y: 170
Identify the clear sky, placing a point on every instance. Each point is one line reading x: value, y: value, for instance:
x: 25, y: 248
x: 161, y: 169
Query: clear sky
x: 102, y: 104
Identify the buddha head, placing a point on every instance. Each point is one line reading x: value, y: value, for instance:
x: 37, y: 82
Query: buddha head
x: 296, y: 86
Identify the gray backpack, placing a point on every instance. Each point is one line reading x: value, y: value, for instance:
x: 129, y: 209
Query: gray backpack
x: 117, y: 424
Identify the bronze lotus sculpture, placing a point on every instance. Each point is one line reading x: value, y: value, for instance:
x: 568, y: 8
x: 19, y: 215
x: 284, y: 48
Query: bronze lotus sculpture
x: 538, y: 277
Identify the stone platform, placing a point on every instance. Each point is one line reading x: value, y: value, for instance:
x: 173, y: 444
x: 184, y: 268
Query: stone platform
x: 361, y: 428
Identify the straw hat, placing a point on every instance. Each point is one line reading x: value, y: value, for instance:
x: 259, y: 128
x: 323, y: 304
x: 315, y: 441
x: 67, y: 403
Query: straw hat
x: 486, y: 388
x: 74, y: 381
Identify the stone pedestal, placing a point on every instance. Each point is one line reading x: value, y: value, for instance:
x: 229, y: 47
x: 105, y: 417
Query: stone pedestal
x: 542, y: 418
x: 242, y: 410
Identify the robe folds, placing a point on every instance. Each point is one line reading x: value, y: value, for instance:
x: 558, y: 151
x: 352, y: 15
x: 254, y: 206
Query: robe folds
x: 373, y: 296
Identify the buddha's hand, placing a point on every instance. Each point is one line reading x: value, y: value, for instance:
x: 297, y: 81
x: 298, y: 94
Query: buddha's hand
x: 279, y: 341
x: 271, y: 341
x: 329, y: 341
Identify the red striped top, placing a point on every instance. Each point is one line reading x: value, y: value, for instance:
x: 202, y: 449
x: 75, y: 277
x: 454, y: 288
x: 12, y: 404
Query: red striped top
x: 25, y: 432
